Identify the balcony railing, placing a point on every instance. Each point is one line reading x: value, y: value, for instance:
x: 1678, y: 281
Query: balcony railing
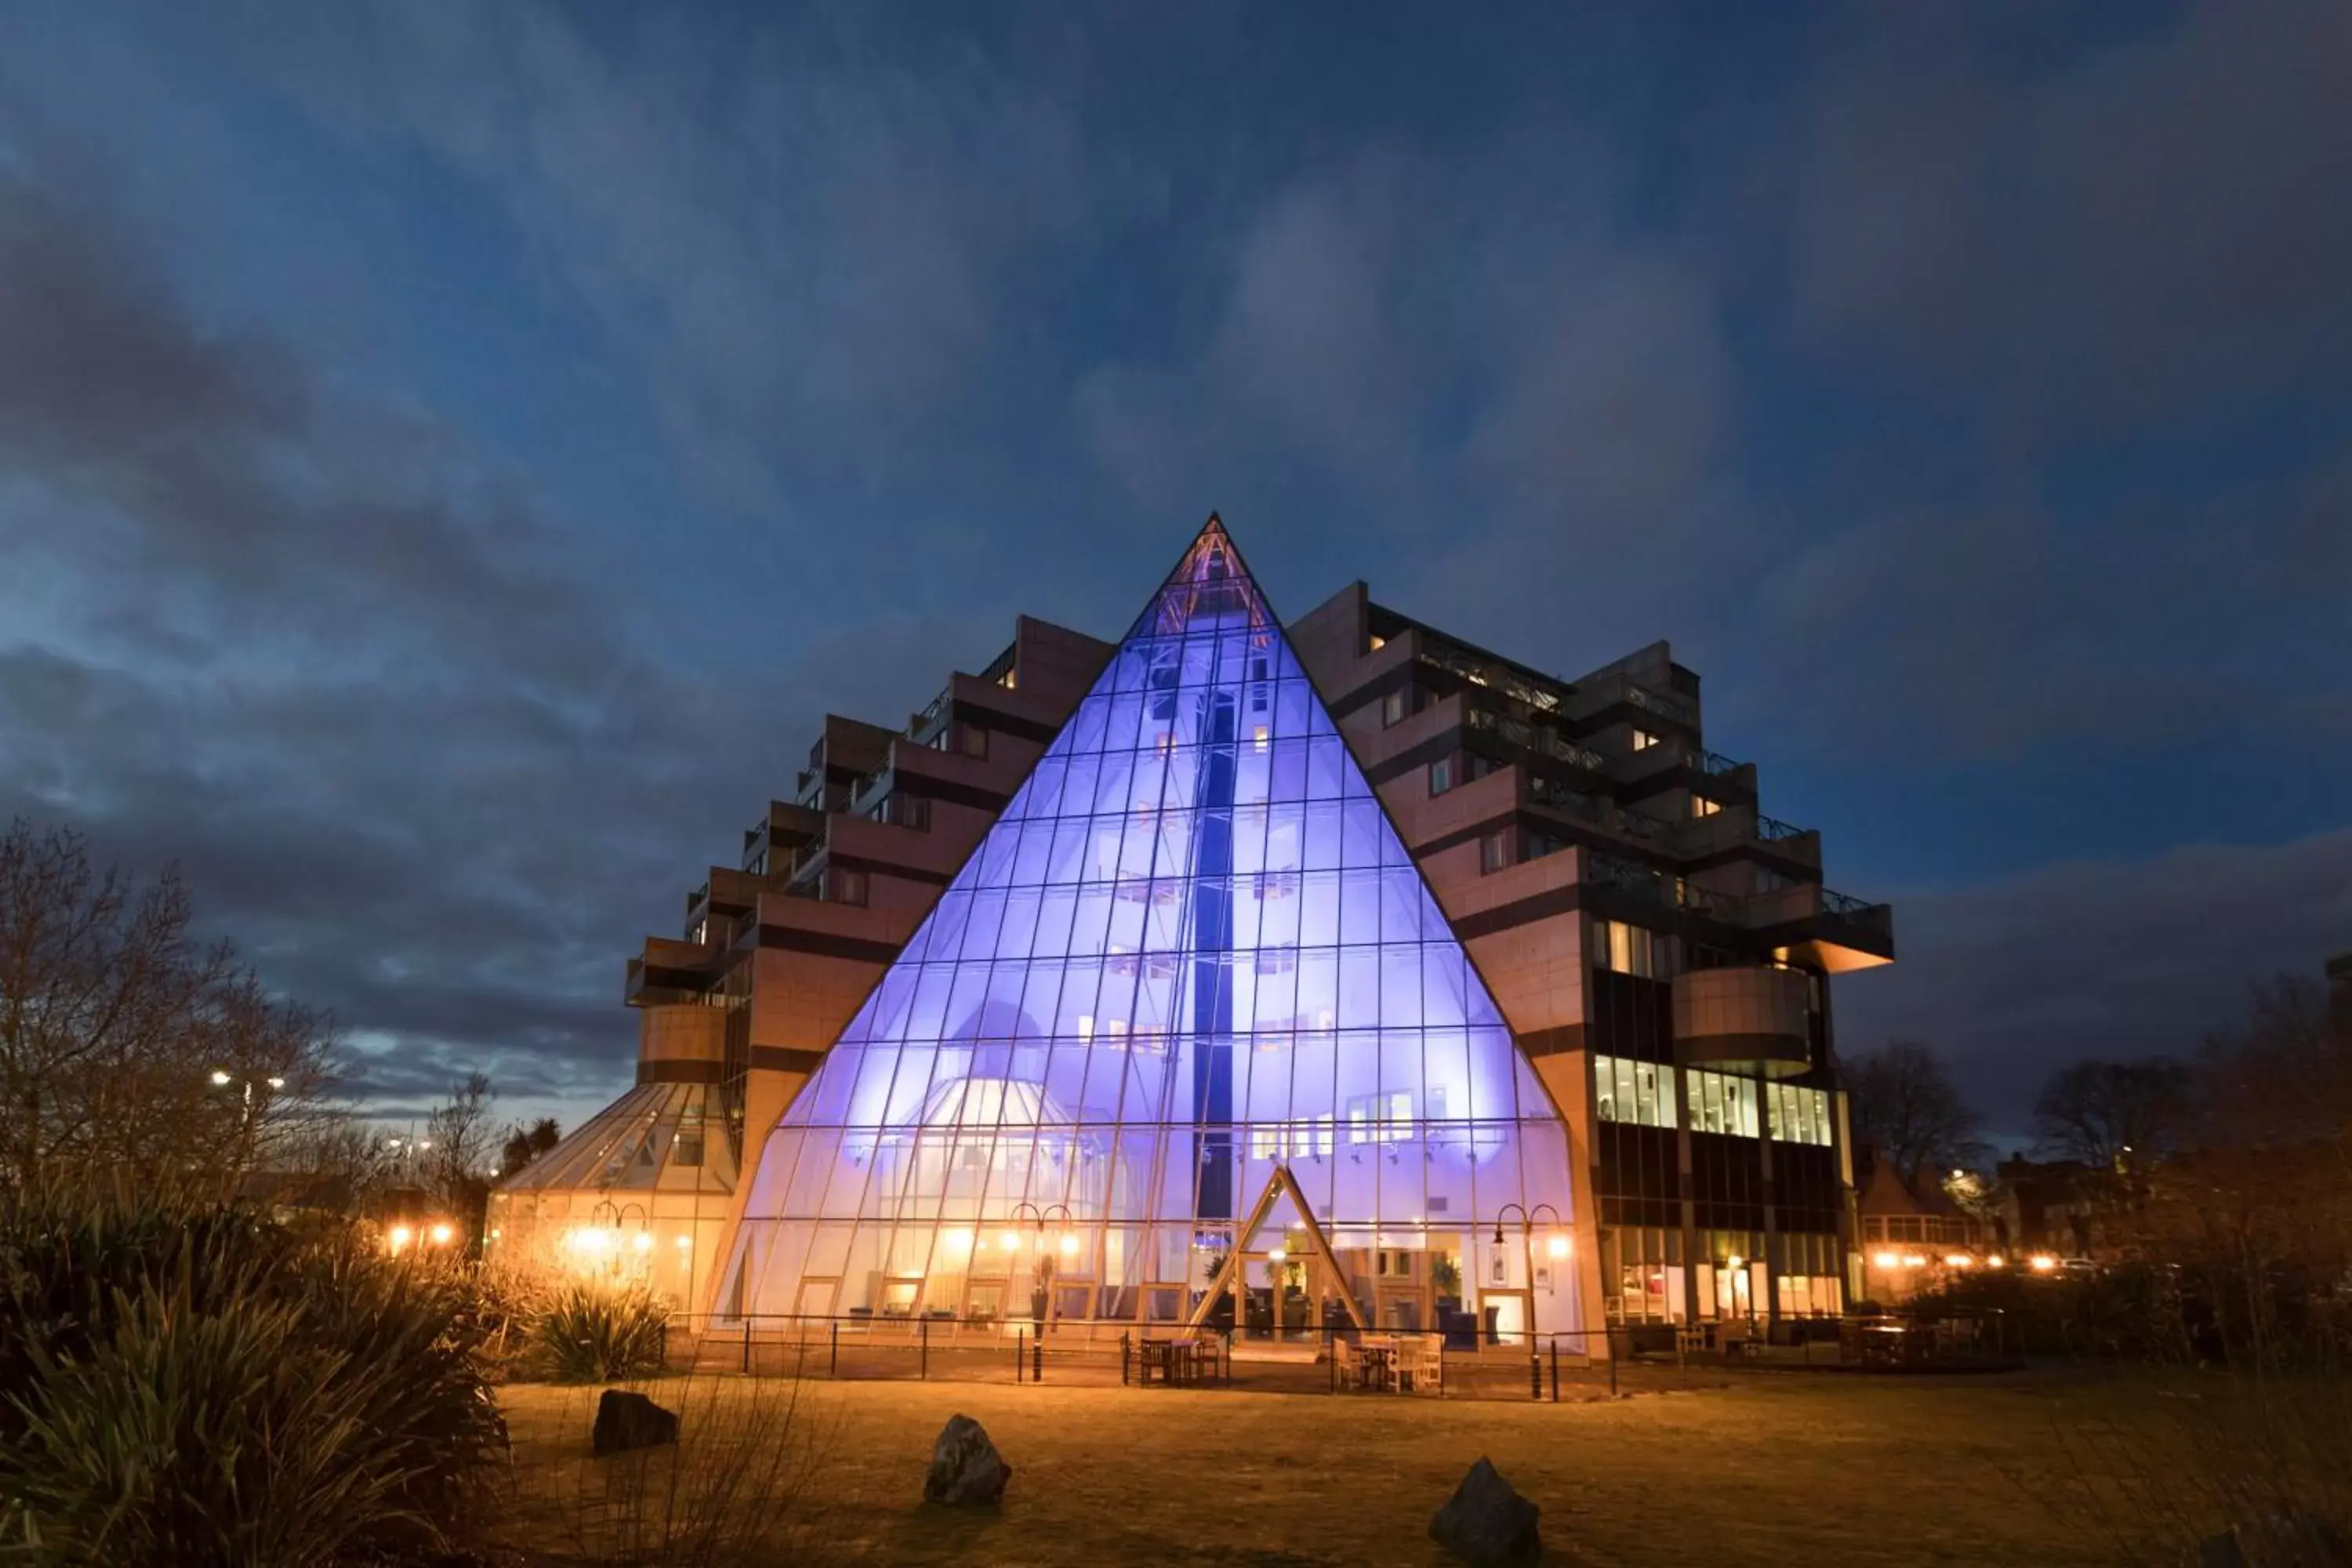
x: 1493, y: 677
x: 1538, y: 738
x: 1713, y: 763
x: 1672, y: 892
x: 1673, y: 708
x: 1772, y: 830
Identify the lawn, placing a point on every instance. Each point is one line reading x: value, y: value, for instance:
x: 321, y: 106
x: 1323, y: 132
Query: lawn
x: 1774, y: 1468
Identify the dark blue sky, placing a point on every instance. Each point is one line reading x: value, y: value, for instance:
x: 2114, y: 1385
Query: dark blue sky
x: 450, y: 454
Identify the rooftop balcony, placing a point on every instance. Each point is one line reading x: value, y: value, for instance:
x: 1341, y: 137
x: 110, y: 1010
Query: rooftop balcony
x: 1836, y: 931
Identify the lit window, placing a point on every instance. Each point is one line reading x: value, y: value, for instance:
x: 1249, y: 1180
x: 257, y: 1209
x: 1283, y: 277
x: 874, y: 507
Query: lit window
x: 1380, y: 1118
x: 1440, y: 775
x: 1377, y: 643
x: 1702, y: 806
x: 1800, y: 1115
x: 1724, y: 1102
x: 1642, y: 1094
x: 1258, y: 736
x: 1632, y: 950
x: 1495, y: 851
x: 1644, y: 739
x: 1009, y: 680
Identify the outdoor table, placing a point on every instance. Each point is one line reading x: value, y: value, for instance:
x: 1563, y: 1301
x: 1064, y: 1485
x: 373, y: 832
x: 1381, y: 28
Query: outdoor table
x: 1379, y: 1367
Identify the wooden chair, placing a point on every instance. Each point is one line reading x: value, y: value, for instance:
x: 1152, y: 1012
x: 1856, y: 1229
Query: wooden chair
x: 1421, y: 1365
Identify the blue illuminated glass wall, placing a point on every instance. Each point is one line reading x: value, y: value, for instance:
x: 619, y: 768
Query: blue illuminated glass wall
x: 1191, y: 948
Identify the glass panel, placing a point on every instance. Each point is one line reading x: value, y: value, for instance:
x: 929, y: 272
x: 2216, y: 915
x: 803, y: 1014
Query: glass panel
x: 1195, y: 952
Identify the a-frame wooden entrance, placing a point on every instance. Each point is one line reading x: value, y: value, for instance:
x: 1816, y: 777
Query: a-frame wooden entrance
x: 1229, y: 1273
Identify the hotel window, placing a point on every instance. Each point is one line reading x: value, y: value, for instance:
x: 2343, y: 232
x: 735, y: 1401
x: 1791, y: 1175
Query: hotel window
x: 1287, y: 1139
x: 1632, y: 950
x: 1800, y: 1115
x: 846, y: 886
x: 1395, y: 706
x: 1380, y: 1118
x: 1639, y: 1092
x: 1702, y: 806
x: 1009, y: 680
x: 1377, y: 643
x: 1440, y: 775
x: 1644, y: 739
x: 1495, y: 851
x: 1723, y: 1102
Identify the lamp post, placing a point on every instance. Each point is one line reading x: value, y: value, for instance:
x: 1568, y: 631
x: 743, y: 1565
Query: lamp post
x: 248, y: 1112
x: 1556, y: 1245
x: 1040, y: 1267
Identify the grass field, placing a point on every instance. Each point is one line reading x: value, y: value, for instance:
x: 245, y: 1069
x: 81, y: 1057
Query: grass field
x: 1773, y: 1469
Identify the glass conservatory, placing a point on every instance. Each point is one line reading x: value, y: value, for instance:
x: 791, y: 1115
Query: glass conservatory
x: 1186, y: 1037
x: 640, y: 1193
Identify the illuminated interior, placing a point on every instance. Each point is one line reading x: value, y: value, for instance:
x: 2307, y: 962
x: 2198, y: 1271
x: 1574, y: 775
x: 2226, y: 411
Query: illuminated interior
x: 637, y: 1194
x: 1191, y: 950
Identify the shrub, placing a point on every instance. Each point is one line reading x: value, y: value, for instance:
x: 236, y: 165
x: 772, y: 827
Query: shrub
x: 599, y: 1333
x: 188, y: 1384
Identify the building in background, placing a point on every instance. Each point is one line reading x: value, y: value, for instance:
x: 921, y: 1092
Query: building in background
x: 1642, y: 1034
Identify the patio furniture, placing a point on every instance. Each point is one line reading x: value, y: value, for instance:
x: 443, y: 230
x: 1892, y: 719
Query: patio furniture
x: 1420, y: 1366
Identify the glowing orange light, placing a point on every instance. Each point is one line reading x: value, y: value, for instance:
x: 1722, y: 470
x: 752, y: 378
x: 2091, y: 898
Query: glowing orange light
x: 441, y: 1234
x: 2043, y: 1263
x: 1887, y: 1260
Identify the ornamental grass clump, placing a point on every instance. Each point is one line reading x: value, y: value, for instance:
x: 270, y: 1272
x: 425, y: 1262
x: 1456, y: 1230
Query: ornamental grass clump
x: 186, y: 1383
x: 602, y: 1333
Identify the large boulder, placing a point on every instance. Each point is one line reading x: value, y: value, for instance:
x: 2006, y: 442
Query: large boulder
x: 1486, y: 1522
x: 2280, y: 1541
x: 966, y: 1469
x: 626, y: 1421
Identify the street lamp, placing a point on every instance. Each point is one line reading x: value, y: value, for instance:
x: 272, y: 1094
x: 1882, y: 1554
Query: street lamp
x: 1556, y: 1246
x: 1040, y: 1267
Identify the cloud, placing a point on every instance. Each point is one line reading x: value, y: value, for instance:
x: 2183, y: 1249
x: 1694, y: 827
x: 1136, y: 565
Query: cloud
x: 802, y: 237
x: 2127, y: 234
x: 2015, y: 976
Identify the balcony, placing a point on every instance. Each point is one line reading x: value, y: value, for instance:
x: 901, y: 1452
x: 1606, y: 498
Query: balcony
x: 1540, y: 739
x: 1536, y: 696
x: 1748, y: 1019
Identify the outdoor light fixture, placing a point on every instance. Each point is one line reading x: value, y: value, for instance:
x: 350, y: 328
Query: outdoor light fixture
x: 683, y: 1241
x: 1735, y: 1261
x: 275, y: 1082
x: 1914, y: 1261
x: 1010, y: 1240
x: 645, y: 1242
x: 440, y: 1233
x: 1958, y: 1260
x: 2043, y: 1263
x: 220, y: 1079
x: 1557, y: 1245
x: 1275, y: 1255
x: 1069, y: 1243
x: 1996, y: 1261
x: 1882, y: 1259
x: 400, y: 1236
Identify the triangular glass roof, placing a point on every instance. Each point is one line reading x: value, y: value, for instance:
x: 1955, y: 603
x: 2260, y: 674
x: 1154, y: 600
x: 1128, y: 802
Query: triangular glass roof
x: 1193, y: 948
x: 665, y: 1137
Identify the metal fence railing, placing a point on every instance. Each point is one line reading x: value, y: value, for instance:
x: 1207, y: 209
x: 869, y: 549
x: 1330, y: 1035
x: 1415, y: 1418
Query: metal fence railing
x: 1473, y: 1363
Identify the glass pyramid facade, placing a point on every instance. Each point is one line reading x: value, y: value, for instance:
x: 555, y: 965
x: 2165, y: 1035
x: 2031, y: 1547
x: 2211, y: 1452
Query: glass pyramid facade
x: 1191, y: 950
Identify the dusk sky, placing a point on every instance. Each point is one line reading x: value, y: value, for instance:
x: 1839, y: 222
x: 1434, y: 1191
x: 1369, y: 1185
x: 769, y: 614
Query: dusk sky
x: 451, y: 455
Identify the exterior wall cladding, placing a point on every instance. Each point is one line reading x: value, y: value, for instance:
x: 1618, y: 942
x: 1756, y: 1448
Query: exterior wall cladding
x: 1660, y: 948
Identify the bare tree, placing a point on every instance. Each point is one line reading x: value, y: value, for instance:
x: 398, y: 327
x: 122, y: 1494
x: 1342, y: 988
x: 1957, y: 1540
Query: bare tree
x: 2109, y: 1115
x: 459, y: 1145
x: 125, y: 1045
x: 1906, y: 1106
